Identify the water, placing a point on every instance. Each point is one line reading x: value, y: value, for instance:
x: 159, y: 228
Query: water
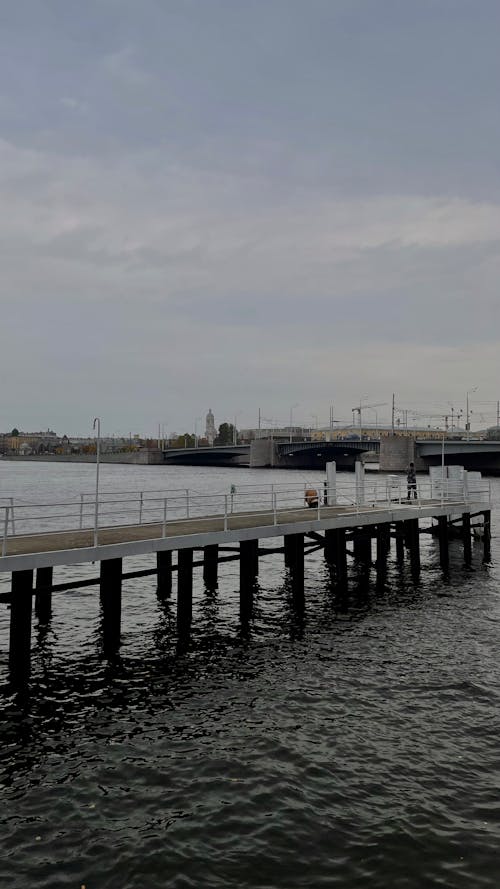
x: 352, y: 745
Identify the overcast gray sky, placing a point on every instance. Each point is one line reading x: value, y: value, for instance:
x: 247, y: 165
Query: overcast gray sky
x: 247, y: 203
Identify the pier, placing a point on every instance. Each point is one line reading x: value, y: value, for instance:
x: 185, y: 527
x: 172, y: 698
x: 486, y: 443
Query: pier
x: 359, y: 522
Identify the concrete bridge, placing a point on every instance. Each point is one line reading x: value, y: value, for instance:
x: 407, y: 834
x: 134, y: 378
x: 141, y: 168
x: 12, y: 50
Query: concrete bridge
x: 395, y: 453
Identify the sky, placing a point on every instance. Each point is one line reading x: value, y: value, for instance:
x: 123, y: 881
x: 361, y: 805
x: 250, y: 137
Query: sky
x: 247, y: 204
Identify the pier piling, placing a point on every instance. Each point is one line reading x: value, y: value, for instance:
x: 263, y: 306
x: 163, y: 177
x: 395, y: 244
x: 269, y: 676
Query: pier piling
x: 43, y: 597
x: 487, y: 535
x: 249, y: 559
x: 210, y: 565
x: 111, y: 602
x: 164, y: 574
x: 444, y: 555
x: 184, y: 590
x: 466, y: 536
x: 20, y: 625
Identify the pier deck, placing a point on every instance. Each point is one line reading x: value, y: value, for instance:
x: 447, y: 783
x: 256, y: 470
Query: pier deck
x: 75, y: 546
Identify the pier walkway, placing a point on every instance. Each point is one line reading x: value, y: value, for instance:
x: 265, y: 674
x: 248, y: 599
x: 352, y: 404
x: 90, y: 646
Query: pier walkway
x: 224, y: 527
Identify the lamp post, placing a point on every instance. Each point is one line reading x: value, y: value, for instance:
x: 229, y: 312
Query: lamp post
x: 291, y: 419
x: 467, y: 421
x: 97, y: 424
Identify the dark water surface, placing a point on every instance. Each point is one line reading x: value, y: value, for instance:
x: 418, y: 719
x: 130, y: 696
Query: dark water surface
x: 355, y: 744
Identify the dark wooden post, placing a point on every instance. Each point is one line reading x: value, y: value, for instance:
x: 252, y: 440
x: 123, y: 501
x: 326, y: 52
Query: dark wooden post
x: 289, y: 548
x: 43, y: 598
x: 296, y: 543
x: 487, y: 535
x: 248, y: 572
x: 383, y: 543
x: 330, y: 547
x: 20, y: 625
x: 400, y: 541
x: 184, y: 590
x: 414, y: 544
x: 466, y: 534
x: 362, y: 545
x: 210, y: 565
x: 444, y: 556
x: 111, y: 602
x: 341, y: 558
x: 164, y: 573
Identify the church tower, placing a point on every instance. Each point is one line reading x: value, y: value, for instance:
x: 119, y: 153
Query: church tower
x: 210, y: 427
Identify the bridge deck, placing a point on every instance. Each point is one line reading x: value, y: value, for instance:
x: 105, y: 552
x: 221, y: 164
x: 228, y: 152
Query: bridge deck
x: 70, y: 547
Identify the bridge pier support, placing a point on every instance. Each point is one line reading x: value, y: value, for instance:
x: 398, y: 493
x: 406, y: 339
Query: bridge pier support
x: 210, y: 565
x: 111, y: 603
x: 164, y: 574
x: 43, y: 598
x: 20, y: 626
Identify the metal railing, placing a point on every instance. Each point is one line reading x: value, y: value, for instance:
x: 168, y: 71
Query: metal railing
x: 272, y: 502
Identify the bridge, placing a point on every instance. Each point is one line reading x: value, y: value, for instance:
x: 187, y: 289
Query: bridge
x: 395, y: 454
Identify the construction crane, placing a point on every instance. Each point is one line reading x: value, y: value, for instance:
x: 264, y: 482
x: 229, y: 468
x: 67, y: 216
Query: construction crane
x: 362, y: 407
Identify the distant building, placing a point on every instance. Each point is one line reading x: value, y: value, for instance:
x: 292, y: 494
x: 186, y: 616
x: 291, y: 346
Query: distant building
x: 210, y: 431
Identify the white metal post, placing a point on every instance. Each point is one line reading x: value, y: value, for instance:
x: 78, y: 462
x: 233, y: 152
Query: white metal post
x: 97, y: 423
x: 141, y: 498
x: 81, y: 511
x: 164, y: 529
x: 12, y: 522
x: 187, y: 503
x: 225, y: 512
x: 5, y: 530
x: 275, y: 519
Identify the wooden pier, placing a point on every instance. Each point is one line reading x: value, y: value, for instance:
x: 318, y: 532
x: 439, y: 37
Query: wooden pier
x: 341, y: 530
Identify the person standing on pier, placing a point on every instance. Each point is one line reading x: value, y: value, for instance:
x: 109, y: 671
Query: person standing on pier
x: 411, y: 481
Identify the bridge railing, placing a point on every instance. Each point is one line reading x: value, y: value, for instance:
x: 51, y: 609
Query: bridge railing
x: 272, y: 502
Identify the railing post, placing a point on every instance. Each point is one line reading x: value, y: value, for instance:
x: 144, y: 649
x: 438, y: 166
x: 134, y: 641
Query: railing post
x: 187, y: 503
x: 319, y: 504
x: 81, y: 511
x: 5, y: 530
x: 164, y: 529
x: 140, y: 506
x: 275, y: 519
x: 12, y: 522
x: 225, y: 512
x: 96, y: 521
